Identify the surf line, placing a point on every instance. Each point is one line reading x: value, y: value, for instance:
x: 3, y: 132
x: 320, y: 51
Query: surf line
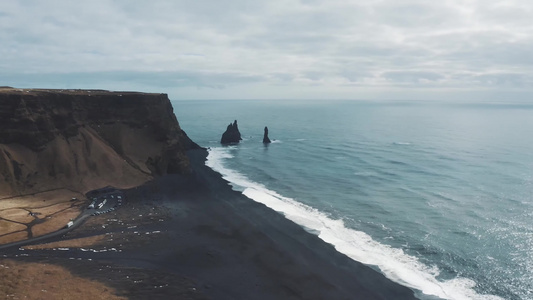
x: 394, y: 263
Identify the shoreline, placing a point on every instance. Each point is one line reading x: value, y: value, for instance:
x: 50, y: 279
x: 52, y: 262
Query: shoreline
x: 206, y: 241
x: 248, y: 243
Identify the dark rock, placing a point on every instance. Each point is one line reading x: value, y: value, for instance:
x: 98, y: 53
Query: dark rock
x: 266, y: 140
x: 80, y: 139
x: 231, y: 135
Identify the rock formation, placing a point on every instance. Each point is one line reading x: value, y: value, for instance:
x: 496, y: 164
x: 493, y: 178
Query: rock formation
x: 266, y: 140
x: 231, y: 135
x: 85, y: 139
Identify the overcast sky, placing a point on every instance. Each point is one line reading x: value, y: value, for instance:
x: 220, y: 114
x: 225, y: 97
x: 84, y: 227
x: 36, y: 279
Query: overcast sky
x: 306, y: 49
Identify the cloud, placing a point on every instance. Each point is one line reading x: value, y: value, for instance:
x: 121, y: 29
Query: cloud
x: 132, y: 78
x: 412, y: 76
x: 243, y: 47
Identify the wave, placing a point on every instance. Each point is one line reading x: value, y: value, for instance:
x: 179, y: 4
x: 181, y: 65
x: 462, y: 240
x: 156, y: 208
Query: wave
x: 394, y: 263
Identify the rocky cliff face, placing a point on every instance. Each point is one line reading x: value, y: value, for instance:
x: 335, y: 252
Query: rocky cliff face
x: 84, y: 139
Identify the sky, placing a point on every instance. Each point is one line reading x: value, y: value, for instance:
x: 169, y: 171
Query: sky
x: 276, y: 49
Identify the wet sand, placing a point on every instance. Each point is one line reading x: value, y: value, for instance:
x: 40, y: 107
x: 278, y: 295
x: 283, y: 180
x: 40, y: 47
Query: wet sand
x: 193, y: 237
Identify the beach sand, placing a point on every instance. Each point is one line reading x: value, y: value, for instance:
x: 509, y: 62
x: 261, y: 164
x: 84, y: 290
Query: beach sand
x: 193, y: 237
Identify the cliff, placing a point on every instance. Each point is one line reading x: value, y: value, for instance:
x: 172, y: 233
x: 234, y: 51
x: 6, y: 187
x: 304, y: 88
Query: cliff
x: 85, y: 139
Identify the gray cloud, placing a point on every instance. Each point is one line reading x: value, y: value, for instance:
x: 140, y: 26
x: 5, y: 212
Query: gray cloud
x: 412, y: 76
x: 132, y: 78
x: 277, y: 47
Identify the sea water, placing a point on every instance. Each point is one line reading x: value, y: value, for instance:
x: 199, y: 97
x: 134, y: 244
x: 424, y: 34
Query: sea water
x: 437, y: 196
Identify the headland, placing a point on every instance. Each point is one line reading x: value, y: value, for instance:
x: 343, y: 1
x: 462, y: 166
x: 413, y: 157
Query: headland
x: 182, y: 232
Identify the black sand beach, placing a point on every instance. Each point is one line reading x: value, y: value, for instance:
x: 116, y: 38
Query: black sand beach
x: 210, y: 242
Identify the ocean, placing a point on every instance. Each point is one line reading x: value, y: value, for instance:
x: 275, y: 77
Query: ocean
x: 435, y: 195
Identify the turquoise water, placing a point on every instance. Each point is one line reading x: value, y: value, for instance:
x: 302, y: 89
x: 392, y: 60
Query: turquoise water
x: 437, y: 196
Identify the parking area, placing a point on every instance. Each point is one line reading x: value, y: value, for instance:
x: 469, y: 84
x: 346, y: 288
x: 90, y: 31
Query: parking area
x: 104, y: 200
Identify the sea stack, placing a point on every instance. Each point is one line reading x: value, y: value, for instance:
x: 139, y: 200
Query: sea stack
x: 231, y: 135
x: 266, y: 140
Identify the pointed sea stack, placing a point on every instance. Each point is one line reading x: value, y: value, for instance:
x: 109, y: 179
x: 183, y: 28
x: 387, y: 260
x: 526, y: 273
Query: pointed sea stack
x: 232, y: 134
x: 266, y: 140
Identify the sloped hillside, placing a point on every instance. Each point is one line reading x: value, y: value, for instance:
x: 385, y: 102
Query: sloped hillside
x: 85, y: 139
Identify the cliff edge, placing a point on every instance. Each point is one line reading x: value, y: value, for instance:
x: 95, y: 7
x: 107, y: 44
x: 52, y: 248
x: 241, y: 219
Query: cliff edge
x: 85, y: 139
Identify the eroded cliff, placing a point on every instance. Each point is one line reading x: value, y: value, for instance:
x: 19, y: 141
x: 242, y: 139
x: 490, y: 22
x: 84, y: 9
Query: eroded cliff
x: 85, y: 139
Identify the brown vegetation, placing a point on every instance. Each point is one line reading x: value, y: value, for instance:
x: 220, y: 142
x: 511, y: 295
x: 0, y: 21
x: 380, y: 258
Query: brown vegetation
x: 6, y: 226
x: 44, y: 281
x: 73, y: 243
x: 54, y: 209
x: 40, y: 199
x: 55, y: 222
x: 12, y: 237
x: 16, y: 215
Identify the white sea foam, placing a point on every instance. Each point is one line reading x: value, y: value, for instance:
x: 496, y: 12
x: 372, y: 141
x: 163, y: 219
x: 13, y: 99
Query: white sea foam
x: 393, y: 262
